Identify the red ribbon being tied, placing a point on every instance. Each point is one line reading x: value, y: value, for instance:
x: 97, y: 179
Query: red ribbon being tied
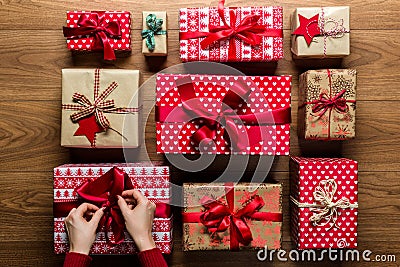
x: 95, y: 25
x: 222, y: 117
x: 219, y: 217
x: 248, y: 30
x: 103, y: 193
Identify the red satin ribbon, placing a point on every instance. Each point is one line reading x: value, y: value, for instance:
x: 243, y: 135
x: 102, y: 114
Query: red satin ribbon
x: 218, y: 217
x: 95, y: 25
x: 226, y: 120
x: 328, y: 103
x: 103, y: 193
x: 248, y: 30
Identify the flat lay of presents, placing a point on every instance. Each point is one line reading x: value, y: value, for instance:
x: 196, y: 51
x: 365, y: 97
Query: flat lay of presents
x: 129, y: 203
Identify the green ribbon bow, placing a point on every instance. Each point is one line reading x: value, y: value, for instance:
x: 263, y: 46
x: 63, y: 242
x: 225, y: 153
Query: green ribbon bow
x: 154, y: 26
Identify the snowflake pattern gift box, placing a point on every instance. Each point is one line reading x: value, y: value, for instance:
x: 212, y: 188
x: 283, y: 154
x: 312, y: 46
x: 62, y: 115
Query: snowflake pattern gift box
x: 231, y: 34
x: 227, y: 216
x: 220, y: 114
x: 100, y: 108
x: 327, y: 104
x: 100, y: 184
x: 324, y: 202
x: 106, y: 31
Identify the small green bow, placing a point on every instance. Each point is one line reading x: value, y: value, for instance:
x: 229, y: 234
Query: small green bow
x: 154, y: 26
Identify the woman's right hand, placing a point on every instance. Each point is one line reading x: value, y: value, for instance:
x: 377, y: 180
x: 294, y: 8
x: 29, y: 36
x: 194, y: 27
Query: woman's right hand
x: 138, y: 213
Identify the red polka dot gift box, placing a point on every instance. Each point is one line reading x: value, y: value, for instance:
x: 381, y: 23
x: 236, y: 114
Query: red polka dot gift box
x: 223, y: 114
x: 105, y: 31
x: 100, y: 184
x: 324, y: 202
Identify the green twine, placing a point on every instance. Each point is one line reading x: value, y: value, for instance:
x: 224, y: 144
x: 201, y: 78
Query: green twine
x: 154, y: 28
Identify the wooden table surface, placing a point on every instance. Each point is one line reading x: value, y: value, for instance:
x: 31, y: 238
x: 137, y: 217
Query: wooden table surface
x: 33, y: 52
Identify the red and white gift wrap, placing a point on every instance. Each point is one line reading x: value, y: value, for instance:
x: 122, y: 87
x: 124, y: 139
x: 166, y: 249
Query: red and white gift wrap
x: 152, y: 181
x: 231, y: 34
x: 324, y: 202
x: 191, y: 109
x: 99, y: 31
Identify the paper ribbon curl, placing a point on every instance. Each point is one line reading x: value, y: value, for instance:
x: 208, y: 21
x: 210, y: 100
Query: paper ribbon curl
x: 154, y: 28
x: 223, y: 117
x: 248, y: 30
x: 324, y: 208
x: 219, y: 217
x: 94, y: 24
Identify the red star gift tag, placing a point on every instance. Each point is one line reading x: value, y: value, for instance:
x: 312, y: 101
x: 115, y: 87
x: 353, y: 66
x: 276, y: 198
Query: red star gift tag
x: 89, y: 127
x: 308, y: 28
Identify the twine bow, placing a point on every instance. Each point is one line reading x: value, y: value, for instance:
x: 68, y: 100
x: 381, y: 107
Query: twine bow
x: 154, y: 28
x: 324, y: 207
x: 316, y: 26
x: 95, y: 24
x: 325, y: 103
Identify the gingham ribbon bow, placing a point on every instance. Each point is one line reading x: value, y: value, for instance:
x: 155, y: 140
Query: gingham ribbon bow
x: 98, y: 107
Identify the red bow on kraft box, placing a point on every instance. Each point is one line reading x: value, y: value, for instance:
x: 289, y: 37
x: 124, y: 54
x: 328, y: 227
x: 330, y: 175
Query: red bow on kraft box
x: 220, y: 217
x: 102, y: 192
x: 227, y: 117
x: 246, y: 33
x: 98, y: 31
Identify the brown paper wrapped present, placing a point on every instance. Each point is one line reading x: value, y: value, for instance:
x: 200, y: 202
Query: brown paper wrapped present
x: 100, y: 108
x: 327, y: 104
x: 223, y: 216
x: 154, y: 34
x: 321, y: 32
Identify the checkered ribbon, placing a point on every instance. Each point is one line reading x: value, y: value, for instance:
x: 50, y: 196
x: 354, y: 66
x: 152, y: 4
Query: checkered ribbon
x: 100, y: 105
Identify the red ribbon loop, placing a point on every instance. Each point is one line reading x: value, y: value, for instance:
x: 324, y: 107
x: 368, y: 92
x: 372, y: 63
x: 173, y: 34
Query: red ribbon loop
x: 103, y: 192
x: 95, y: 25
x: 248, y: 30
x: 325, y: 103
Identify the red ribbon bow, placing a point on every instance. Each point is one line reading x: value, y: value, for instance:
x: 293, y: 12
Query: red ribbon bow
x: 94, y: 24
x: 325, y: 103
x: 218, y: 217
x: 223, y: 118
x: 248, y: 30
x: 103, y: 193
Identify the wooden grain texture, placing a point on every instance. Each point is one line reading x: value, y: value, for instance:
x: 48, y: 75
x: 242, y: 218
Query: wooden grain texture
x: 33, y: 52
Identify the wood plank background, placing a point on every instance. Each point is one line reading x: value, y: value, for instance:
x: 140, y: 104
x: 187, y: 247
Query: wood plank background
x: 33, y: 52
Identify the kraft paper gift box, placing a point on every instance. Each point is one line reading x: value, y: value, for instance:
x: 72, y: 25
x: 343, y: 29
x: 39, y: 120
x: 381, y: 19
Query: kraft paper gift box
x: 100, y: 184
x: 218, y: 114
x: 324, y: 207
x: 321, y: 32
x: 100, y: 108
x: 106, y: 31
x: 224, y: 216
x: 154, y: 34
x: 222, y: 34
x: 327, y: 104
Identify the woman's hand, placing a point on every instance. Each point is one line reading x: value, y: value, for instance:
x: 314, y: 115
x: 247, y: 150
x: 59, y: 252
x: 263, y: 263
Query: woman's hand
x: 81, y: 224
x: 138, y: 213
